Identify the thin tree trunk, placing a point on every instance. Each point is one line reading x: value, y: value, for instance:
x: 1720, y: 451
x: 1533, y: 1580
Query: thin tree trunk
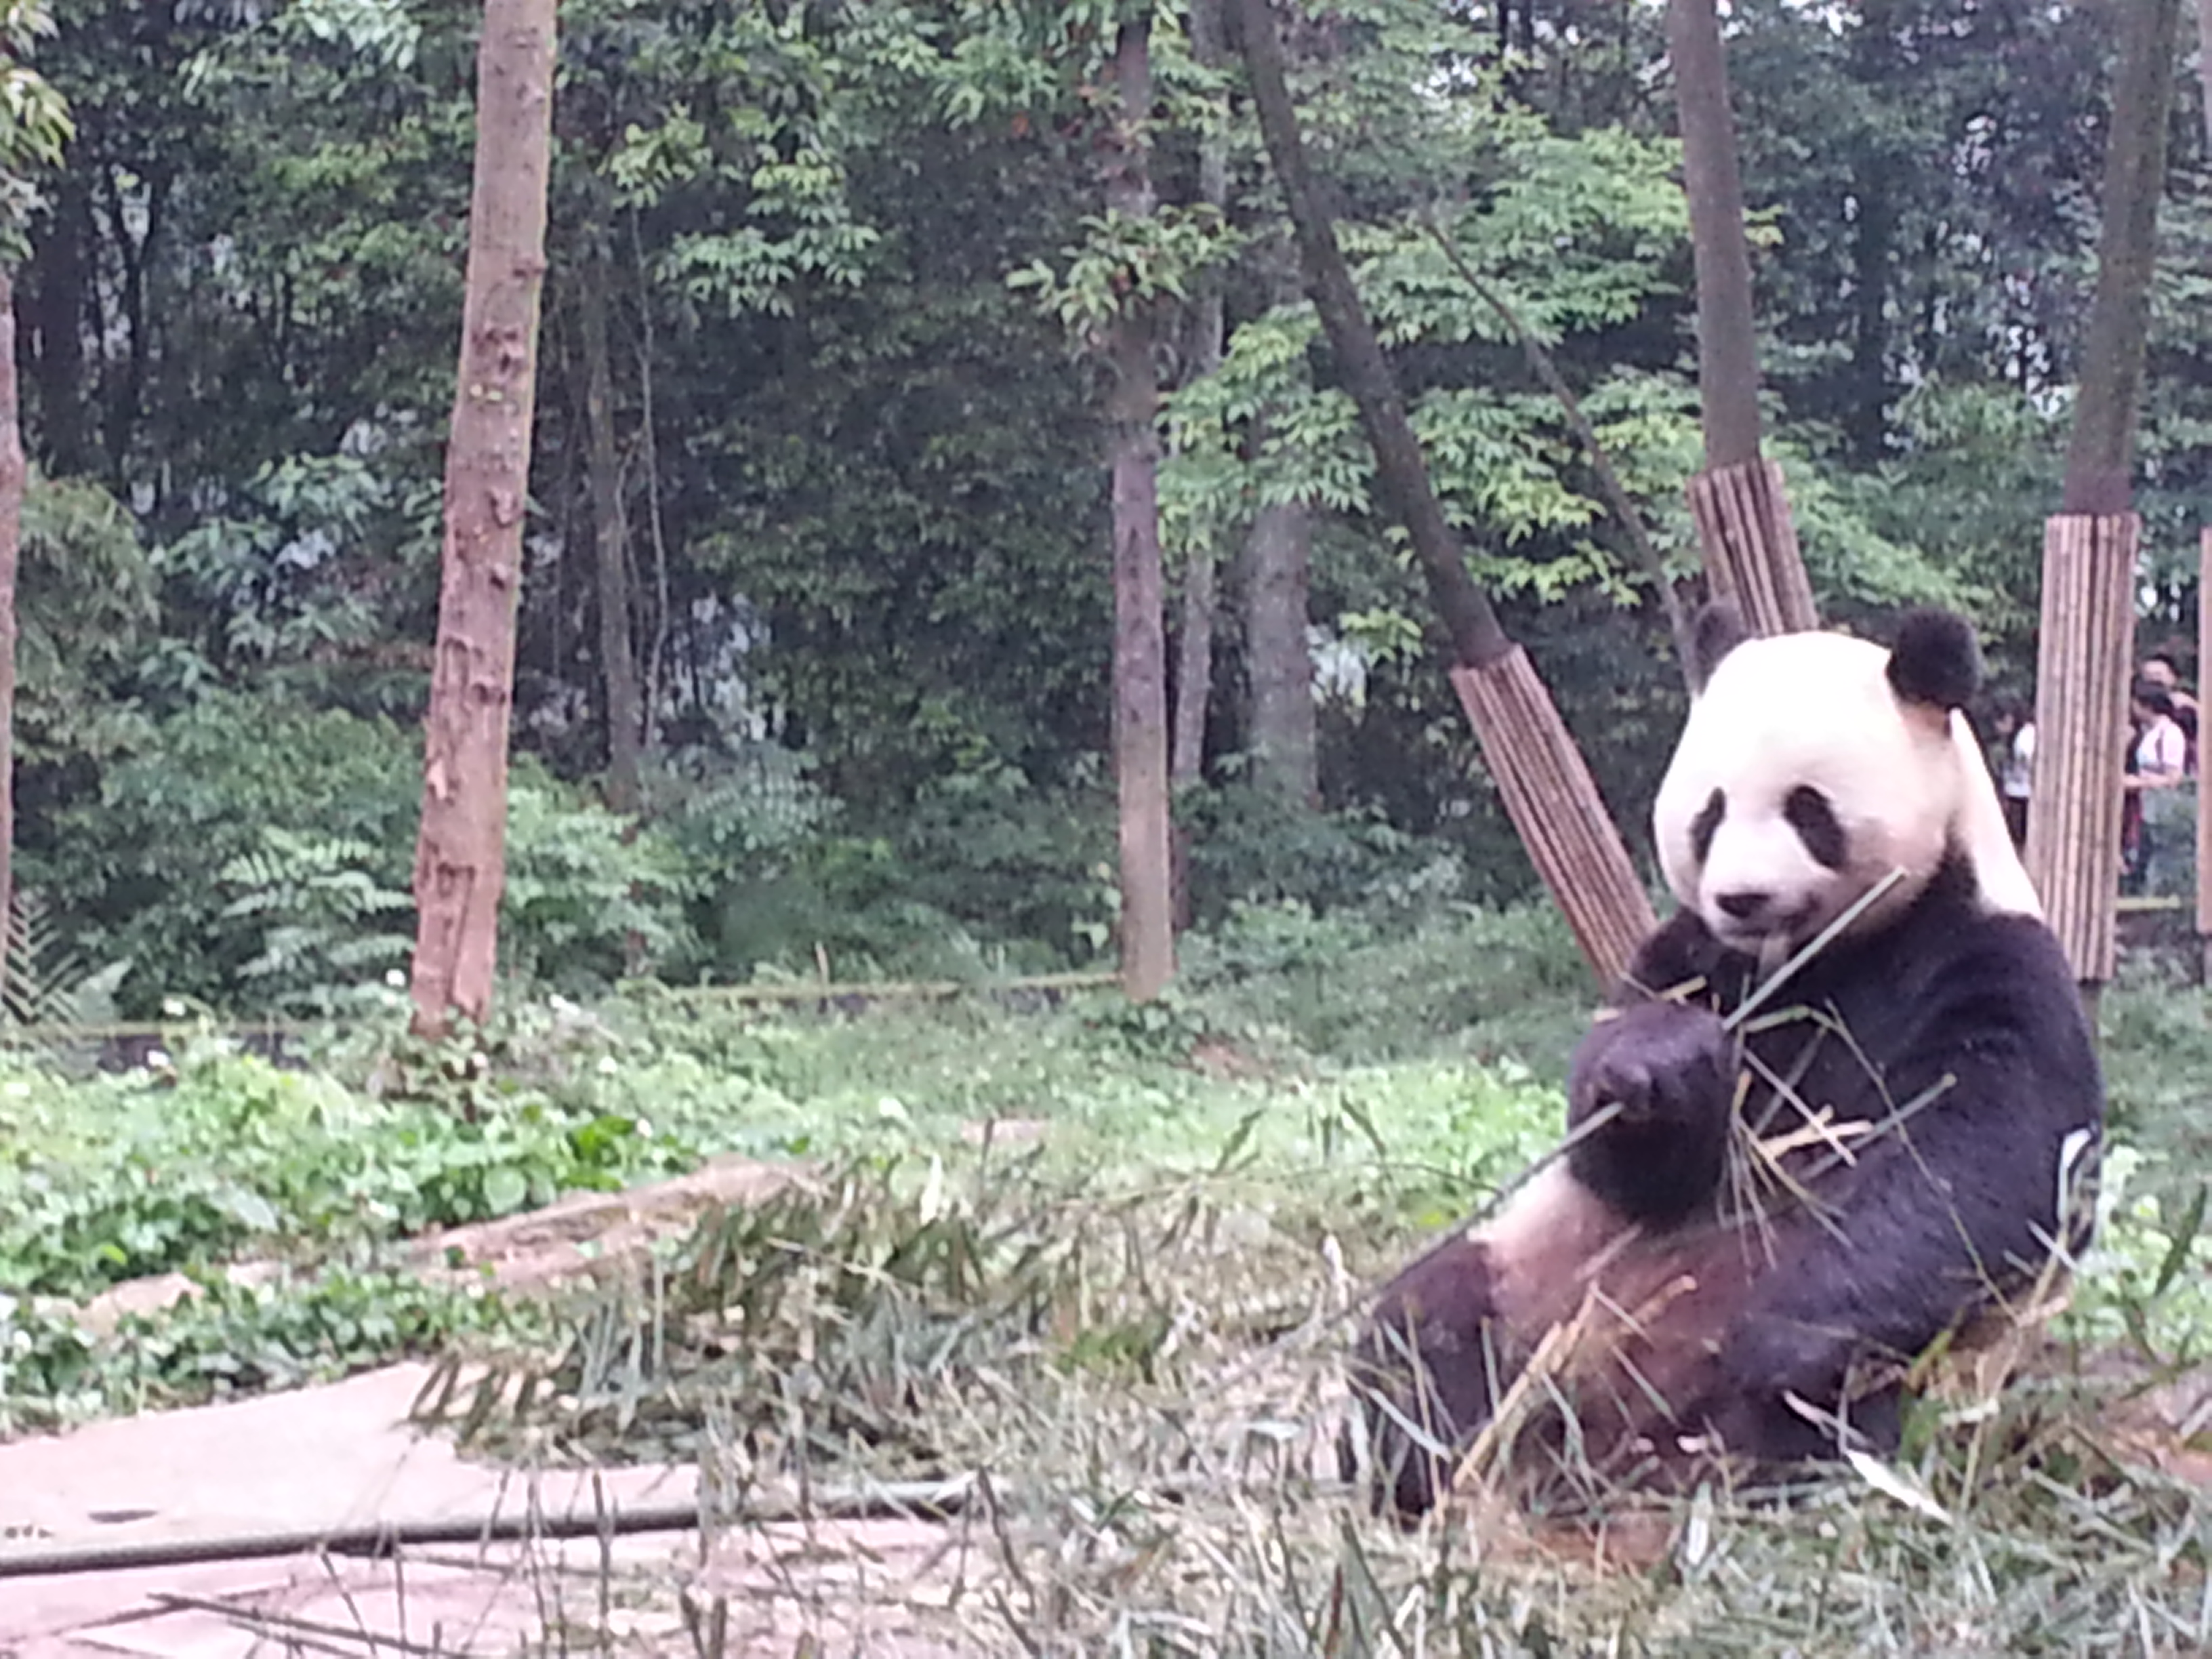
x: 15, y: 478
x: 1201, y: 589
x: 1277, y: 572
x: 617, y: 658
x: 55, y: 315
x: 1874, y: 64
x: 1547, y: 789
x: 1140, y: 722
x: 1741, y: 511
x: 460, y: 856
x: 1727, y: 332
x: 2101, y: 450
x: 2204, y: 66
x: 1477, y: 639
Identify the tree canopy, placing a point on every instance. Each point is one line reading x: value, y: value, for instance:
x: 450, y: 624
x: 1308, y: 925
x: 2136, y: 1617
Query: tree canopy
x: 854, y: 277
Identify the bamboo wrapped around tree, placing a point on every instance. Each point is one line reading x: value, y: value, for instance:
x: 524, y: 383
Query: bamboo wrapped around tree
x: 2081, y: 732
x: 1553, y: 799
x: 2083, y: 655
x: 1750, y: 544
x: 1547, y: 791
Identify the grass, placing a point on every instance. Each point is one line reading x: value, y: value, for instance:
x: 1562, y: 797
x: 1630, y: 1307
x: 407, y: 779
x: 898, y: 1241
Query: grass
x: 1114, y: 1319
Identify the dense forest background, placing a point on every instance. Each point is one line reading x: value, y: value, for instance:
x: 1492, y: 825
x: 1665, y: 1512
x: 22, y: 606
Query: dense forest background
x: 820, y: 507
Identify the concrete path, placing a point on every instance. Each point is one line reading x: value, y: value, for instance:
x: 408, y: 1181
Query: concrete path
x: 346, y: 1455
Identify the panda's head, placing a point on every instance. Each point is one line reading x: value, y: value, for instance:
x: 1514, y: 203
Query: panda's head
x: 1815, y: 764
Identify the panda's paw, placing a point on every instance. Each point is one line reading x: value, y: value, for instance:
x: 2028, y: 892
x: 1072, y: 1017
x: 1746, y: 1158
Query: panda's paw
x: 1664, y: 1065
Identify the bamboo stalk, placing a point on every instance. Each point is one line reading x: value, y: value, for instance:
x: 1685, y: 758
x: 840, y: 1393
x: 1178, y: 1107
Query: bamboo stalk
x: 2081, y: 715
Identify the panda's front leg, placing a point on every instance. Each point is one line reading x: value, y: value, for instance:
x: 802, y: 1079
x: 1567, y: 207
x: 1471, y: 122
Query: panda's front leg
x: 1667, y: 1070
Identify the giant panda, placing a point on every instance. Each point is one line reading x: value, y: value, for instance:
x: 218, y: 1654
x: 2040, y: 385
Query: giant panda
x: 1757, y: 1221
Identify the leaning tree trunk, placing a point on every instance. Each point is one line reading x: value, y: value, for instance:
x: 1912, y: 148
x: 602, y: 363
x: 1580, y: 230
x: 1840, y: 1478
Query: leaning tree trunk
x: 617, y: 656
x: 1742, y: 509
x: 2083, y: 649
x: 1194, y: 678
x: 14, y: 476
x: 1140, y: 723
x: 1547, y: 789
x: 1200, y: 592
x: 460, y: 855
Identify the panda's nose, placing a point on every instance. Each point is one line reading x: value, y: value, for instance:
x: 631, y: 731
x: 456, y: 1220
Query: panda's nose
x: 1742, y: 904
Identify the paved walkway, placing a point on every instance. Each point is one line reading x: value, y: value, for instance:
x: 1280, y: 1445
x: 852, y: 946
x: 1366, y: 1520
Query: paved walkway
x: 342, y: 1456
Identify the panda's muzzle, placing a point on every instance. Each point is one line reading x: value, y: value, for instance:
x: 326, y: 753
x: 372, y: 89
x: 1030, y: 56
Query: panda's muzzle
x: 1750, y: 920
x: 1746, y: 904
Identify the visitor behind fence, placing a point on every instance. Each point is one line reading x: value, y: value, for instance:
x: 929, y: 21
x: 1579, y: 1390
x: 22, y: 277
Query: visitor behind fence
x: 2158, y: 764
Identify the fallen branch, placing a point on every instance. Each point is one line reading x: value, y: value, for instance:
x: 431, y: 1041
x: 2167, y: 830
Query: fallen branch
x: 935, y: 1500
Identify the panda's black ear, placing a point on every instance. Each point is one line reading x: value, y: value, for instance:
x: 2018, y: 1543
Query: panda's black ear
x: 1936, y: 659
x: 1718, y: 630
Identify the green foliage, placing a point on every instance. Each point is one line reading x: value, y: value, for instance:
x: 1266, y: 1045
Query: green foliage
x: 218, y: 1155
x: 231, y: 1340
x: 137, y: 869
x: 86, y: 615
x: 588, y: 893
x: 46, y: 981
x: 1123, y: 263
x: 34, y: 119
x: 330, y: 924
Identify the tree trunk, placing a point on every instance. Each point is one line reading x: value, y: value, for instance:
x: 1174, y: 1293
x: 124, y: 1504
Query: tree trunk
x: 56, y: 314
x: 1547, y: 790
x: 1751, y: 554
x: 1201, y: 588
x: 2204, y: 65
x: 1728, y: 331
x: 15, y: 477
x: 1277, y: 570
x: 617, y: 658
x: 1400, y: 471
x: 2101, y: 449
x: 460, y: 856
x: 1140, y: 722
x: 1874, y: 67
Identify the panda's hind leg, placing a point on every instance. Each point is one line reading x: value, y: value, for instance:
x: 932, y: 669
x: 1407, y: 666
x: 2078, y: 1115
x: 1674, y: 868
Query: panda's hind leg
x: 1427, y: 1371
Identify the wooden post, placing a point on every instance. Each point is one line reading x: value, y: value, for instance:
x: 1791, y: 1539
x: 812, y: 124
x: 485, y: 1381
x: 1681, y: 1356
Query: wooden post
x: 1554, y: 803
x: 2084, y: 657
x: 2203, y: 663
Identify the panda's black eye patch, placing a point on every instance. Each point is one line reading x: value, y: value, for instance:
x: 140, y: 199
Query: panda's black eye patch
x: 1814, y: 821
x: 1706, y: 825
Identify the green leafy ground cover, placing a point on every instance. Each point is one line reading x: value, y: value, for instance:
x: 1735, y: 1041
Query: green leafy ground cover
x: 1119, y: 1305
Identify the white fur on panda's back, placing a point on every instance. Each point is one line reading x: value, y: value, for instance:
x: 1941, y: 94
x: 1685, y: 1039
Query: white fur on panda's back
x: 1987, y: 839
